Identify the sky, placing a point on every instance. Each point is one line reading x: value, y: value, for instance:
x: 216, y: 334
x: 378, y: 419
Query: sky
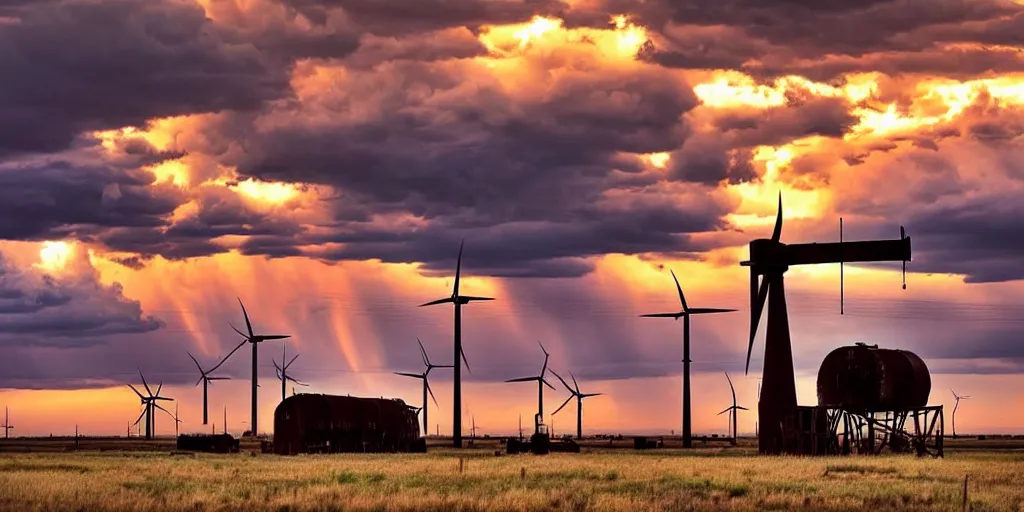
x: 321, y: 160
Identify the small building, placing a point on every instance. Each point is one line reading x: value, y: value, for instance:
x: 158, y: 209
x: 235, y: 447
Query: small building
x: 315, y: 423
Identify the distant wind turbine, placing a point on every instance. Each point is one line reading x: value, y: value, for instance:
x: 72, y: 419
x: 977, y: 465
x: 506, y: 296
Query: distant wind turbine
x: 956, y: 405
x: 734, y: 409
x: 426, y: 385
x: 7, y: 423
x: 457, y: 301
x: 685, y: 313
x: 575, y: 393
x: 149, y: 401
x: 540, y: 385
x: 205, y: 378
x: 282, y: 372
x: 255, y: 340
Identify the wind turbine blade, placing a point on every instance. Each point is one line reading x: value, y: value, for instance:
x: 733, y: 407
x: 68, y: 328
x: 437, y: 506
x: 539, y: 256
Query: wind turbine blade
x: 222, y: 361
x: 158, y: 388
x: 196, y: 362
x: 248, y: 324
x: 140, y: 417
x: 163, y: 398
x: 563, y: 405
x: 246, y: 336
x: 413, y: 375
x: 431, y: 391
x: 577, y: 384
x: 964, y: 397
x: 548, y: 384
x: 777, y: 232
x: 563, y: 381
x: 137, y: 392
x: 158, y: 406
x: 296, y: 356
x: 438, y: 301
x: 682, y: 299
x: 265, y: 337
x: 588, y: 395
x: 740, y: 407
x: 732, y: 389
x: 218, y: 378
x: 200, y: 380
x: 464, y: 360
x: 523, y: 379
x: 756, y: 308
x: 458, y: 269
x: 474, y: 297
x: 148, y: 391
x: 663, y: 315
x: 707, y: 311
x: 727, y: 409
x: 423, y: 353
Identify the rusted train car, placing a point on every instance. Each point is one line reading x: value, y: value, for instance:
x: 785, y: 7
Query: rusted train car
x: 868, y: 378
x: 314, y: 423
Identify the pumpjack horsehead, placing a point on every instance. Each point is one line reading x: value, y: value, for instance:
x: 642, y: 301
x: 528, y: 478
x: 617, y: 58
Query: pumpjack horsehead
x: 769, y: 260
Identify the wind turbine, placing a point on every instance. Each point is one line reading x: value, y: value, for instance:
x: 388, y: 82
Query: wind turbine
x: 540, y: 387
x: 955, y: 406
x: 7, y: 423
x: 733, y: 408
x: 575, y: 393
x: 204, y: 376
x: 255, y: 340
x: 426, y: 385
x: 149, y: 401
x: 685, y: 313
x: 282, y: 372
x: 457, y: 301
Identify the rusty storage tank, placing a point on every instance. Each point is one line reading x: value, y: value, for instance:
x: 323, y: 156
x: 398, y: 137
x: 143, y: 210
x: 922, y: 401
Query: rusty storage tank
x: 868, y: 378
x: 314, y: 423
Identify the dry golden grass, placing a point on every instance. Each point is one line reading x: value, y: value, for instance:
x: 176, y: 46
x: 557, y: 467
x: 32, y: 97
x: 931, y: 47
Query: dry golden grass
x: 703, y: 479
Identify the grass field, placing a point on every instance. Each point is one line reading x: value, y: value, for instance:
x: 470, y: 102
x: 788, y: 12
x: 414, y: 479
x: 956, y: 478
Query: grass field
x: 135, y: 477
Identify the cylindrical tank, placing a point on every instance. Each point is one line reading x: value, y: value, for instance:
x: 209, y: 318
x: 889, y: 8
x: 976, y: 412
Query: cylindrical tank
x: 868, y: 378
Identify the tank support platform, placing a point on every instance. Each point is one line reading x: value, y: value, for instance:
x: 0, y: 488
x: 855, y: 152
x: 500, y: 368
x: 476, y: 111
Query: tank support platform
x: 817, y: 430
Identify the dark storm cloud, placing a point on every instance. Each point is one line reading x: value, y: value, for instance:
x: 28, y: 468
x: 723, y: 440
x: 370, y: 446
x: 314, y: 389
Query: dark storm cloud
x: 40, y: 200
x: 219, y: 212
x: 539, y: 249
x: 40, y: 310
x: 527, y: 179
x: 76, y: 65
x: 399, y: 17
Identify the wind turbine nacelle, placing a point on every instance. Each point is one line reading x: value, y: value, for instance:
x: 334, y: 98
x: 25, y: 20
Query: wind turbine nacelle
x: 765, y: 252
x: 868, y: 378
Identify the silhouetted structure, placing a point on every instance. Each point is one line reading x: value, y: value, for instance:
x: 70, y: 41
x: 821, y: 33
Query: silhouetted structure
x: 574, y: 393
x: 149, y: 402
x: 770, y: 259
x: 315, y: 423
x: 426, y: 385
x: 204, y: 376
x: 541, y: 382
x: 219, y: 443
x: 685, y: 313
x: 880, y: 396
x: 956, y: 405
x: 255, y: 340
x: 863, y: 377
x: 282, y: 371
x: 457, y: 301
x: 7, y: 423
x: 733, y: 409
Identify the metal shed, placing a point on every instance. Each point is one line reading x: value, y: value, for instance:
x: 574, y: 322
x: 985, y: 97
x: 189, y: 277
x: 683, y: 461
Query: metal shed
x: 314, y: 423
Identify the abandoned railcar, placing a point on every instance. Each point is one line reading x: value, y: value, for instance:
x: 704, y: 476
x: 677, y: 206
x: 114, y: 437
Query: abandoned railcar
x: 314, y: 423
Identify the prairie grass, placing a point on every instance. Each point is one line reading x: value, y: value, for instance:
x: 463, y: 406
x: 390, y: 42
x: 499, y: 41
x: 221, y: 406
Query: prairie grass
x: 627, y: 480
